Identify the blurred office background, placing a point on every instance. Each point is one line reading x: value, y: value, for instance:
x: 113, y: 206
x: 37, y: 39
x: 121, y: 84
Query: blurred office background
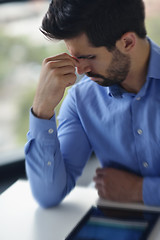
x: 22, y: 50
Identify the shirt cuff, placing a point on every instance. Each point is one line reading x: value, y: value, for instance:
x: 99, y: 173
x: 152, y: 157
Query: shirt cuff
x: 42, y: 129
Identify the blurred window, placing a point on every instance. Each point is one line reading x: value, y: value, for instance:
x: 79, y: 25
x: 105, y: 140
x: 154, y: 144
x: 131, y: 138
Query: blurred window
x: 22, y: 50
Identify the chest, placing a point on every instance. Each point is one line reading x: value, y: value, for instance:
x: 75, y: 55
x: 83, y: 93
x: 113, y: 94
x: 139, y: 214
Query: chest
x: 126, y: 132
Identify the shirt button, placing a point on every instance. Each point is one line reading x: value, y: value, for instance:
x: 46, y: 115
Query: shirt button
x: 145, y: 164
x: 49, y: 163
x: 139, y: 131
x: 50, y: 131
x: 138, y: 98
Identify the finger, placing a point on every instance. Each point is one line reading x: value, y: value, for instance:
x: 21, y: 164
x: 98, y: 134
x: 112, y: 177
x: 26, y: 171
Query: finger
x: 99, y: 180
x: 101, y: 171
x: 65, y: 70
x: 100, y: 190
x: 100, y: 193
x: 59, y: 64
x: 62, y: 56
x: 98, y: 186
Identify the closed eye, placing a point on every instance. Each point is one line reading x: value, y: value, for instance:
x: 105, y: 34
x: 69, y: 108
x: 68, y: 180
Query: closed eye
x: 91, y: 57
x: 86, y: 57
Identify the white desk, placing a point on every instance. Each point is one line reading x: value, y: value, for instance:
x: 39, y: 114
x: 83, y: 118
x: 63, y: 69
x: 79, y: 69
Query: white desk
x: 22, y: 219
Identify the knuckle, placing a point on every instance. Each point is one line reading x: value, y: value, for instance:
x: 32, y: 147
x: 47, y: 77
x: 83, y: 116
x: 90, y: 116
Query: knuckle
x: 48, y: 65
x: 45, y: 61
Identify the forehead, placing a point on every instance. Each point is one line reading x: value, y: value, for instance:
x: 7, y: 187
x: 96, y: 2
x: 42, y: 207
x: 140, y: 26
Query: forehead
x: 80, y: 45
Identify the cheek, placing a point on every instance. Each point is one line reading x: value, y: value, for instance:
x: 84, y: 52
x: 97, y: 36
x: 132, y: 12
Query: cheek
x: 99, y: 67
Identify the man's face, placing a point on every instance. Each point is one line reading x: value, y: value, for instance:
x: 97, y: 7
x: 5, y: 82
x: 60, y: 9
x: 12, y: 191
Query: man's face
x: 104, y: 67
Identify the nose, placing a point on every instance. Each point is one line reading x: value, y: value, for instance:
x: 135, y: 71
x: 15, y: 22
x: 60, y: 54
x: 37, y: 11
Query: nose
x: 83, y: 67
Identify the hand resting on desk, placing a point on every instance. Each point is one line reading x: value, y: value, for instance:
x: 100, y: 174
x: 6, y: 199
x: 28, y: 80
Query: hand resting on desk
x: 118, y: 185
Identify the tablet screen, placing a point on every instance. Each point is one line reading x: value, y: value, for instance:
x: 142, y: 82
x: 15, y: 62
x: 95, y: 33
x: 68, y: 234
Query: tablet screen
x: 117, y: 224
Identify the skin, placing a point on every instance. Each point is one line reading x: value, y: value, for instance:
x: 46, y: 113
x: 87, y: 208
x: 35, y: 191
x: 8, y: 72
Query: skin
x: 117, y: 185
x: 103, y: 66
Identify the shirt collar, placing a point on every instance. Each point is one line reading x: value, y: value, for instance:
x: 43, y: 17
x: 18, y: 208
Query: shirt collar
x: 115, y: 91
x: 153, y: 71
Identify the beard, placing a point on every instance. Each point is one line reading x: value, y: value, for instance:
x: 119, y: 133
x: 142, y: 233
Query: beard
x: 116, y: 72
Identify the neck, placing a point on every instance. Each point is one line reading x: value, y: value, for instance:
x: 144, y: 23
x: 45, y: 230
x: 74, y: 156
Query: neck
x: 139, y: 67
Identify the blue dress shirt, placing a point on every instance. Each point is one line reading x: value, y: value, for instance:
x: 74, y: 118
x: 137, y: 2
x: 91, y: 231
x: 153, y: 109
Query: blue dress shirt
x: 123, y: 129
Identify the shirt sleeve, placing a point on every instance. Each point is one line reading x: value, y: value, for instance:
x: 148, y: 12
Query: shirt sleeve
x: 54, y: 159
x: 151, y: 191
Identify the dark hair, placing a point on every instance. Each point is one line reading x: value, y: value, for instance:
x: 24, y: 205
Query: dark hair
x: 103, y: 21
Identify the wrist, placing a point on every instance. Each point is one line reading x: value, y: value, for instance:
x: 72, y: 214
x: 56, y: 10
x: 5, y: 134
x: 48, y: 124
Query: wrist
x: 42, y: 114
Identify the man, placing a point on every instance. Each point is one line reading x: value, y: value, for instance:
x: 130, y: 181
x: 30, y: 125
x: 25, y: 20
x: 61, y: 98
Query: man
x: 113, y: 111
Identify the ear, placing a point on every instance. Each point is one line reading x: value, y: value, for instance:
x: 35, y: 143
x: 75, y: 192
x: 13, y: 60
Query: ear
x: 127, y: 42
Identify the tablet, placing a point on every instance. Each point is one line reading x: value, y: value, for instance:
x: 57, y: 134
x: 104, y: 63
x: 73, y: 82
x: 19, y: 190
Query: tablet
x: 106, y: 223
